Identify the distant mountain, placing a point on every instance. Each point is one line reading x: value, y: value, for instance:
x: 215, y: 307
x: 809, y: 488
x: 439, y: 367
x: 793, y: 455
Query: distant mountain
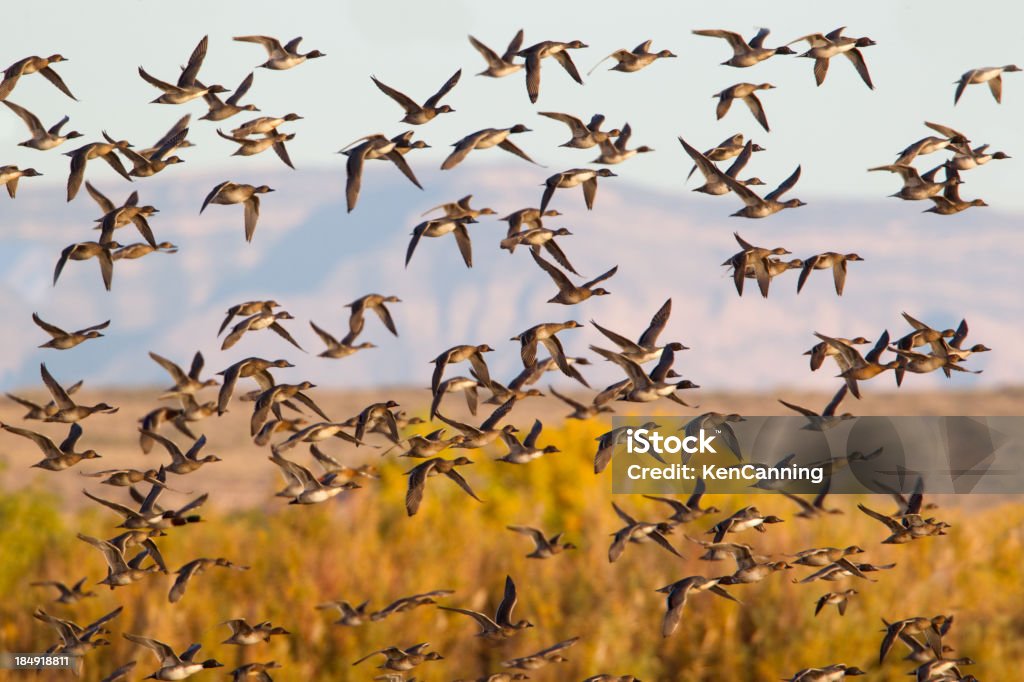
x: 314, y: 258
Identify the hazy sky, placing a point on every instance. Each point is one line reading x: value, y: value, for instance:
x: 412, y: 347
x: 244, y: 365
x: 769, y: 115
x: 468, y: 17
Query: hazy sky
x: 835, y: 131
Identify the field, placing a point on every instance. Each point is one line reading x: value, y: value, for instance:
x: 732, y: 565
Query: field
x: 363, y: 547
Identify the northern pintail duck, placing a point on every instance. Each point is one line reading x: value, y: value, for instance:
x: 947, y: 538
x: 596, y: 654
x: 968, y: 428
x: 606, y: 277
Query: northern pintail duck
x: 403, y: 604
x: 713, y: 185
x: 950, y: 138
x: 685, y: 512
x: 743, y: 53
x: 638, y: 532
x: 967, y: 158
x: 244, y: 310
x: 243, y: 634
x: 527, y: 450
x: 378, y: 418
x: 270, y: 400
x: 95, y: 150
x: 154, y: 419
x: 403, y: 659
x: 148, y: 165
x: 374, y: 302
x: 248, y: 146
x: 527, y: 219
x: 116, y: 217
x: 305, y: 488
x: 828, y: 417
x: 922, y: 363
x: 68, y: 412
x: 150, y: 515
x: 433, y: 467
x: 538, y: 238
x: 630, y: 61
x: 42, y: 138
x: 727, y: 149
x: 264, y: 125
x: 186, y: 88
x: 824, y: 556
x: 430, y: 445
x: 173, y: 666
x: 548, y: 48
x: 856, y: 367
x: 38, y: 411
x: 744, y: 519
x: 172, y: 134
x: 823, y: 261
x: 918, y: 625
x: 63, y: 340
x: 843, y: 569
x: 77, y: 641
x: 189, y: 383
x: 907, y: 527
x: 140, y: 249
x: 375, y: 146
x: 584, y: 135
x: 824, y: 47
x: 616, y: 152
x: 993, y: 75
x: 124, y: 478
x: 253, y: 367
x: 831, y: 673
x: 227, y: 193
x: 642, y: 387
x: 954, y: 347
x: 67, y: 595
x: 545, y: 334
x: 461, y: 353
x: 748, y: 569
x: 837, y: 599
x: 440, y: 227
x: 569, y: 293
x: 485, y: 139
x: 280, y: 58
x: 339, y: 349
x: 29, y: 65
x: 917, y: 187
x: 416, y: 114
x: 500, y: 66
x: 317, y: 433
x: 351, y: 616
x: 745, y: 92
x: 194, y: 568
x: 184, y: 462
x: 950, y: 203
x: 460, y: 209
x: 262, y: 320
x: 752, y: 256
x: 757, y: 207
x: 544, y: 547
x: 679, y: 591
x: 772, y: 268
x: 256, y: 671
x: 516, y: 389
x: 822, y: 350
x: 502, y: 626
x: 942, y: 669
x: 580, y: 410
x: 488, y: 431
x: 543, y: 657
x: 220, y: 110
x: 587, y: 177
x: 56, y: 457
x: 9, y: 176
x: 119, y: 571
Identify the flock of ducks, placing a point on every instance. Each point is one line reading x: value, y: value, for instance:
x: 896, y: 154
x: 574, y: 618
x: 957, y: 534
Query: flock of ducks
x: 134, y: 555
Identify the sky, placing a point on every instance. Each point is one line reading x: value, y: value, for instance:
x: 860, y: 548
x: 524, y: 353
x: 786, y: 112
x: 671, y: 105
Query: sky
x: 835, y: 131
x: 946, y: 268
